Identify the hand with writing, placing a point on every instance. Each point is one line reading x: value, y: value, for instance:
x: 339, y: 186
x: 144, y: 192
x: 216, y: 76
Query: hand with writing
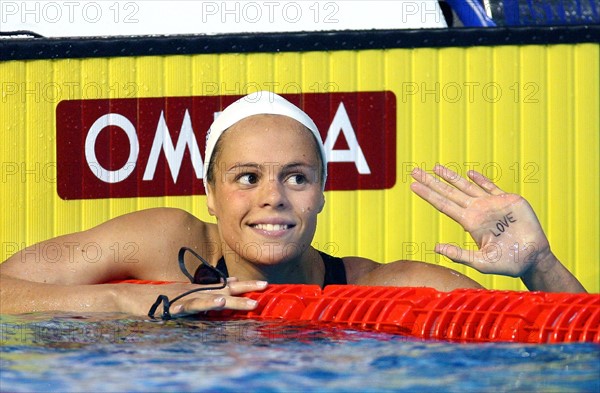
x: 504, y: 226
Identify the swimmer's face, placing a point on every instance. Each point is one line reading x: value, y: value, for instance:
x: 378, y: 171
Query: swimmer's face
x: 266, y: 191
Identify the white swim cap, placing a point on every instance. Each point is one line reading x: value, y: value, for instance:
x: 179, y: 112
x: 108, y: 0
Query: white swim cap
x: 259, y: 103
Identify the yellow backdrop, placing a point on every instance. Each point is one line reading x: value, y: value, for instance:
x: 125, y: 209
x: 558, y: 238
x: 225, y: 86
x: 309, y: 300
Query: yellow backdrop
x: 527, y: 116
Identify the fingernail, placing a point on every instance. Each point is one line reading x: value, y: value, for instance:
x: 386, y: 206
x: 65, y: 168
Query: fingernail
x: 219, y: 300
x: 262, y: 284
x: 251, y: 303
x: 177, y: 309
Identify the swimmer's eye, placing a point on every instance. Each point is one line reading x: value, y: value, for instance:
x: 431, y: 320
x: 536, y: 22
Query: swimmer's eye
x: 247, y: 179
x: 297, y: 179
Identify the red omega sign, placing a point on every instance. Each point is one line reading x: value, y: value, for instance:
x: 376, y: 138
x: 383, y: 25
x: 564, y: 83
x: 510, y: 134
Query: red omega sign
x: 137, y: 147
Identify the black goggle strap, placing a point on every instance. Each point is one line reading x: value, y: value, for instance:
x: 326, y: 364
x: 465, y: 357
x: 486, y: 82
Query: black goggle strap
x: 166, y: 314
x: 181, y: 261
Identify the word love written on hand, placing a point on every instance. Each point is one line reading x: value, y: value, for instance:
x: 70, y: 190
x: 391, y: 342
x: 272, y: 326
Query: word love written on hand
x: 503, y: 223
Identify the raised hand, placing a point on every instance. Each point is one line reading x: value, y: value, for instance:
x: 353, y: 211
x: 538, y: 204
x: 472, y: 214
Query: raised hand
x: 504, y: 226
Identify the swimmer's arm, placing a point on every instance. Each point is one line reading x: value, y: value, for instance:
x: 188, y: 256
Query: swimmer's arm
x: 23, y: 296
x: 550, y: 275
x: 140, y: 245
x: 361, y: 271
x: 20, y: 296
x: 62, y: 273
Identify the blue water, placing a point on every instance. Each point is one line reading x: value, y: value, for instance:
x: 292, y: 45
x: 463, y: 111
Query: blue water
x: 113, y: 353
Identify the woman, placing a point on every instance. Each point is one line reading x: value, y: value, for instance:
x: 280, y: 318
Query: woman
x: 265, y: 177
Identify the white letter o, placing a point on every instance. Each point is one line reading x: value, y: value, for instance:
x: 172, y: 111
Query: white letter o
x: 111, y: 119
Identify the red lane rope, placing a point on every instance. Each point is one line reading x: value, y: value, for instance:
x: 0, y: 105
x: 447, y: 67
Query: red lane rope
x: 465, y: 315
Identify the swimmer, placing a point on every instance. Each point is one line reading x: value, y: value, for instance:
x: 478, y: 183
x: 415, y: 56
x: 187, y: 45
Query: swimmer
x: 265, y: 176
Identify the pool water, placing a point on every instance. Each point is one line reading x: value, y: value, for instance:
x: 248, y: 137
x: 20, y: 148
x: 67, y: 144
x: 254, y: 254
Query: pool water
x: 115, y: 353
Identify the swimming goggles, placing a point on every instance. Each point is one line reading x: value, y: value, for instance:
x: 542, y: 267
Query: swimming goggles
x: 205, y: 275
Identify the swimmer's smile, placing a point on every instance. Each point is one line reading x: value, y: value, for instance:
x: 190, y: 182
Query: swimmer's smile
x: 272, y: 229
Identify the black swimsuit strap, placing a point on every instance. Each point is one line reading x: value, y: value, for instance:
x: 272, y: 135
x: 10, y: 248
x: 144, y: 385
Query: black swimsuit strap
x: 222, y: 267
x: 335, y: 271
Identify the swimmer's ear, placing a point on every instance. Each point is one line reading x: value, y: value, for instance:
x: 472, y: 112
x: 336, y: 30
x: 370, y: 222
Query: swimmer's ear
x: 321, y: 203
x: 210, y: 200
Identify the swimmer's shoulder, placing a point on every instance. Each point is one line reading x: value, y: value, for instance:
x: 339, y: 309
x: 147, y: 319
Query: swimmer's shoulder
x: 357, y: 268
x: 161, y: 230
x: 171, y: 223
x: 158, y: 234
x: 404, y: 273
x: 167, y: 216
